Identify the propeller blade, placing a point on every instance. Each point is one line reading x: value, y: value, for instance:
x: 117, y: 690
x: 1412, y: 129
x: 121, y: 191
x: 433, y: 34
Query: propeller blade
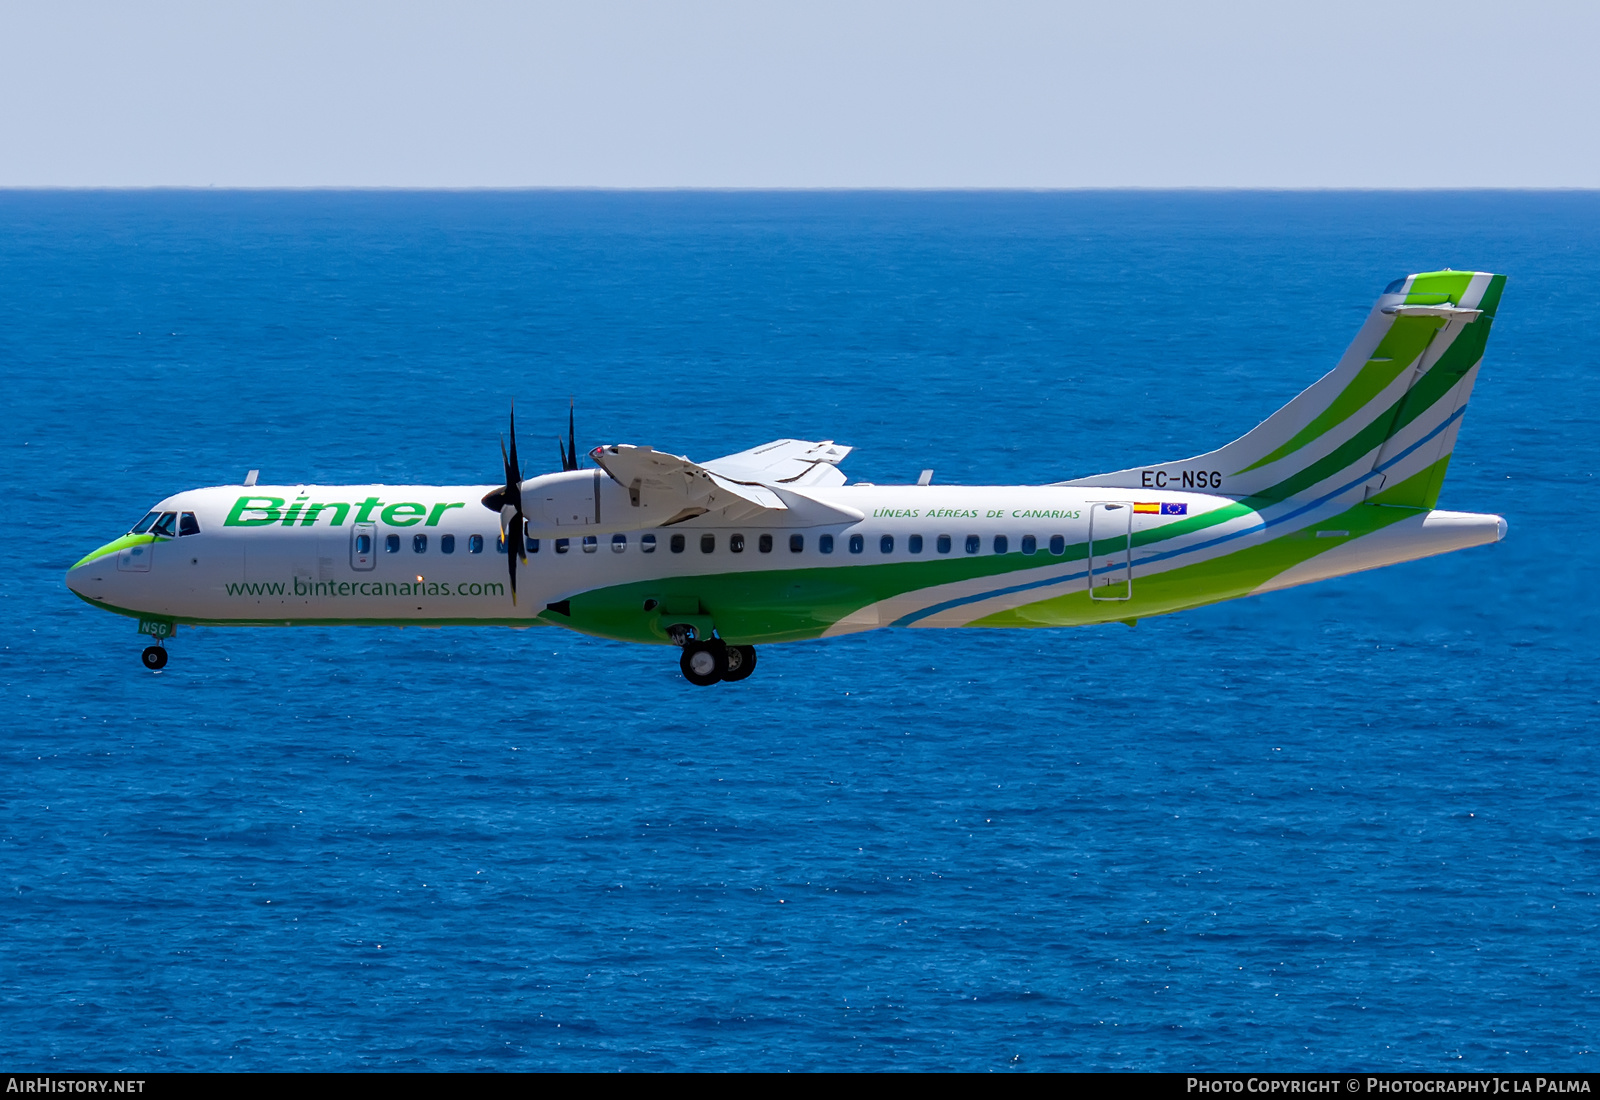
x: 496, y: 500
x: 569, y: 451
x: 513, y: 467
x: 511, y: 565
x: 508, y: 502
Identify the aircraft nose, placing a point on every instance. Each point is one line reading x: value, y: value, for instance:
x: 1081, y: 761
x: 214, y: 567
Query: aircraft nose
x: 86, y: 579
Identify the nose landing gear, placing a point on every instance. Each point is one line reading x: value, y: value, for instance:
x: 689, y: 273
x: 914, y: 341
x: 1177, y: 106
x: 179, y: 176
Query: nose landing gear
x: 154, y: 656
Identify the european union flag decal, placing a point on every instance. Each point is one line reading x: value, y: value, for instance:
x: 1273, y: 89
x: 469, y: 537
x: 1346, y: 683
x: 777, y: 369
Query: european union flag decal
x: 1174, y: 509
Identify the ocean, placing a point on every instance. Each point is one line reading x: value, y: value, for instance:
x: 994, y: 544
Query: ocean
x: 1351, y: 825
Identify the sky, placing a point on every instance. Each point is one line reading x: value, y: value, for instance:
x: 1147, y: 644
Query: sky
x: 813, y: 94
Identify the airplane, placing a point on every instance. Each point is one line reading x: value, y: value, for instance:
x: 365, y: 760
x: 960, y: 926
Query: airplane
x: 772, y: 544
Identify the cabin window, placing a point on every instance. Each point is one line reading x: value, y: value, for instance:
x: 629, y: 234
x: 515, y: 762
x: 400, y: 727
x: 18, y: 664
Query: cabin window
x: 886, y: 544
x: 391, y: 544
x: 736, y: 543
x: 529, y: 543
x: 797, y: 543
x: 708, y: 543
x: 1001, y: 544
x: 144, y: 525
x: 1058, y: 545
x: 764, y: 544
x: 447, y: 544
x: 619, y: 543
x: 647, y: 544
x: 857, y: 544
x: 943, y: 544
x: 188, y: 525
x: 474, y: 544
x: 914, y: 544
x: 677, y: 544
x: 363, y: 544
x: 419, y: 544
x: 824, y: 544
x: 563, y: 545
x: 591, y: 543
x: 974, y: 544
x: 166, y: 525
x: 1030, y: 545
x: 499, y: 544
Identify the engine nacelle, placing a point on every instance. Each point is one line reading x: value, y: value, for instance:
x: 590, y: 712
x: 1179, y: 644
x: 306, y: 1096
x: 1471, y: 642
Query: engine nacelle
x: 579, y: 502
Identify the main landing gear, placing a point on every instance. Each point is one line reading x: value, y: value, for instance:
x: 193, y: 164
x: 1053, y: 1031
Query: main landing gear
x: 704, y: 663
x: 154, y: 658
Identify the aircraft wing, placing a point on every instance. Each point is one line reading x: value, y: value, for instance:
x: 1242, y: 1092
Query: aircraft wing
x: 733, y: 484
x: 784, y: 462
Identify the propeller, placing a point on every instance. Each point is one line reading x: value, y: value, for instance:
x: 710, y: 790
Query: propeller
x: 508, y: 502
x: 569, y: 450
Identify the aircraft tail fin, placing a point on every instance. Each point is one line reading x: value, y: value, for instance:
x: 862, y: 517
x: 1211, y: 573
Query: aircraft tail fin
x: 1383, y: 420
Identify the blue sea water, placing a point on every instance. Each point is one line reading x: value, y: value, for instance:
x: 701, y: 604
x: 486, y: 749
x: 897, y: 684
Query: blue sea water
x: 1348, y: 825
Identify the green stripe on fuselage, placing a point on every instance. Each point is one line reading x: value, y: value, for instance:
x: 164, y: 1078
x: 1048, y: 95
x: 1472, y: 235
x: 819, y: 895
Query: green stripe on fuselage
x: 783, y: 605
x: 1212, y: 581
x: 117, y: 544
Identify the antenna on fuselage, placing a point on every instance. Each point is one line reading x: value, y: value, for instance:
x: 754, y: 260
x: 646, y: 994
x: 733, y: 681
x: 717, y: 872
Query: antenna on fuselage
x: 250, y: 478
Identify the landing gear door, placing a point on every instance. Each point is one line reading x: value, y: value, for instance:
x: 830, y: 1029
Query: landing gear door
x: 1111, y: 551
x: 363, y: 546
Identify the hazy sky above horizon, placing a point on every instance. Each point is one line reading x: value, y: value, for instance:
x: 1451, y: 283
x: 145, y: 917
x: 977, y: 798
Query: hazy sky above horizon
x: 814, y: 94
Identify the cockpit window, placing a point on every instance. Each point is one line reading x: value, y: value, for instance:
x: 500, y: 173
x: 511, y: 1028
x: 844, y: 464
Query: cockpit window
x: 188, y: 525
x: 166, y: 526
x: 144, y: 525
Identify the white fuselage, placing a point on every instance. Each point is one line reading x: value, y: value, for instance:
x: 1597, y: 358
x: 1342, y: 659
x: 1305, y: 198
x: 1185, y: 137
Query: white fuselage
x: 283, y: 555
x: 291, y: 562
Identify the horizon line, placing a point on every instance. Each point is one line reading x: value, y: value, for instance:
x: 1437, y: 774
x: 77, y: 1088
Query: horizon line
x: 785, y: 189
